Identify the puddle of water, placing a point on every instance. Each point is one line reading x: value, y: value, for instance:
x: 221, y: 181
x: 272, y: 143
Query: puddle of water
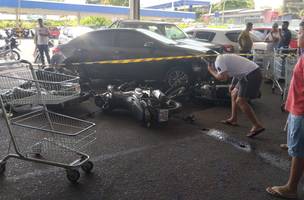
x: 269, y: 158
x: 222, y: 136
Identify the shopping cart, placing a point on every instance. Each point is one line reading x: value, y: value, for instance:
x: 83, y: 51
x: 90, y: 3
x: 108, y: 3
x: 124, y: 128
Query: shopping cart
x: 19, y: 86
x: 43, y: 136
x: 291, y: 61
x: 279, y: 64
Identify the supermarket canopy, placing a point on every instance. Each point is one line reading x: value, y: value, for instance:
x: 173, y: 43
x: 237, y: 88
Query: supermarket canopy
x: 180, y: 3
x: 60, y: 8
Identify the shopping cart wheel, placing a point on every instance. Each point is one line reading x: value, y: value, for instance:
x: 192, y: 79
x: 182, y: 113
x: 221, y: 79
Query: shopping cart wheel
x: 87, y: 167
x: 2, y: 168
x: 73, y: 175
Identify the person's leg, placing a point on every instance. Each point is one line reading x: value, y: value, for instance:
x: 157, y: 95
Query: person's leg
x: 246, y: 108
x: 233, y: 117
x: 40, y: 48
x: 47, y: 53
x: 295, y: 139
x: 296, y: 172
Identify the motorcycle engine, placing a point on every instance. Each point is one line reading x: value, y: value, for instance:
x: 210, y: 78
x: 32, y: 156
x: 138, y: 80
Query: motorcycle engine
x: 207, y: 91
x: 138, y: 93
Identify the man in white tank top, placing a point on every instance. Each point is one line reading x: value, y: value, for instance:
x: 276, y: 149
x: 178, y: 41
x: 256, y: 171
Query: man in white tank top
x: 246, y: 83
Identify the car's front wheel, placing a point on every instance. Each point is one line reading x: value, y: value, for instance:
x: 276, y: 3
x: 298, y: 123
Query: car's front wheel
x: 177, y: 77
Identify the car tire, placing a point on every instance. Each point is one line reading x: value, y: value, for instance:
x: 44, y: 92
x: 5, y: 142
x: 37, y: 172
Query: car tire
x: 177, y: 77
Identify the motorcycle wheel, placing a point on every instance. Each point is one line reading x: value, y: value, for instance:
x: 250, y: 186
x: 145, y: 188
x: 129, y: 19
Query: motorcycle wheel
x: 14, y: 55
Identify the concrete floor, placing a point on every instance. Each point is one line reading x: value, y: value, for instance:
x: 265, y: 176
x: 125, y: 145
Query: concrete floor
x: 182, y: 161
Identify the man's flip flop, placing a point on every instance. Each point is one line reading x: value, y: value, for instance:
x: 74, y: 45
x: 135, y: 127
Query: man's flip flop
x: 252, y: 134
x: 226, y: 122
x: 284, y: 146
x: 278, y: 194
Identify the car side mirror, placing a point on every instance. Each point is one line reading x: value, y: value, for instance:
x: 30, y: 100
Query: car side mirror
x: 149, y: 45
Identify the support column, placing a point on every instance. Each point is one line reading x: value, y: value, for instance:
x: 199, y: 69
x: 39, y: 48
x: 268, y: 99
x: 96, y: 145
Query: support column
x: 78, y: 18
x: 134, y: 9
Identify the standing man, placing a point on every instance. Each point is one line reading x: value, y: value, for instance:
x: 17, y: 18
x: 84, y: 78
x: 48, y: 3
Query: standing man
x: 285, y: 36
x: 41, y: 40
x: 246, y: 83
x: 295, y: 132
x: 245, y: 41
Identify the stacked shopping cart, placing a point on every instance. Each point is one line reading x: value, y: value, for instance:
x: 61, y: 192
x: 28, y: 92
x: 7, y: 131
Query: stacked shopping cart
x: 43, y: 136
x: 284, y: 63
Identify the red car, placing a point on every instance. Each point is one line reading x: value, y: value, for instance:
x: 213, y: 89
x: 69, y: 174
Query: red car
x: 294, y: 35
x: 54, y: 32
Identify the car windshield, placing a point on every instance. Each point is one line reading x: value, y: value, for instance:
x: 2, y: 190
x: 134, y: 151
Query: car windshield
x: 158, y: 37
x: 257, y: 36
x: 174, y: 33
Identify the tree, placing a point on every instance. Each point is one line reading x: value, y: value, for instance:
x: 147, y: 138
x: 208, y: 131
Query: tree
x: 233, y: 4
x: 95, y: 21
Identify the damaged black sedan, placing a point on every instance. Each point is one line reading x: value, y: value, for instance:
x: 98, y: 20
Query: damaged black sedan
x: 162, y: 60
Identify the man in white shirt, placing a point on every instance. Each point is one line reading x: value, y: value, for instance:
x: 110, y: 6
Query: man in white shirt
x: 42, y: 40
x: 246, y: 83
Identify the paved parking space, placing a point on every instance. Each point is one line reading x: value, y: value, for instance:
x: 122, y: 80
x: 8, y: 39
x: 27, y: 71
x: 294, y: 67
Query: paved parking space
x: 180, y: 161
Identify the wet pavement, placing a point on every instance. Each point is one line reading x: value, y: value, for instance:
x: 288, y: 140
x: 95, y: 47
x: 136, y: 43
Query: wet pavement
x: 183, y: 161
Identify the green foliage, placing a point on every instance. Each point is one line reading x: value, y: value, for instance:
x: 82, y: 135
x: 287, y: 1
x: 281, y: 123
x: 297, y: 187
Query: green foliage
x: 86, y: 21
x: 95, y: 21
x: 301, y: 13
x: 119, y: 2
x: 233, y: 4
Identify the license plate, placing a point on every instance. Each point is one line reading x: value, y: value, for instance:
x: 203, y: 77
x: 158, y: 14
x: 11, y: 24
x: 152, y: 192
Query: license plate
x: 163, y: 115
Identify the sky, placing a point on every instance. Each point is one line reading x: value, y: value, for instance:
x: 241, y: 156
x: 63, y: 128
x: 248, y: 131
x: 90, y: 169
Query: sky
x: 259, y: 3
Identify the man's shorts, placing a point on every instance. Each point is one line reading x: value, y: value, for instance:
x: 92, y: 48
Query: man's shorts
x: 249, y: 86
x: 295, y: 136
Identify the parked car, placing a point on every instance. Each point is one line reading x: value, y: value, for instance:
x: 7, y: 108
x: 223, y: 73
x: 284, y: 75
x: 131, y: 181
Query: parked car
x: 294, y: 35
x: 169, y: 30
x: 68, y: 33
x: 54, y: 32
x: 227, y: 37
x: 122, y: 44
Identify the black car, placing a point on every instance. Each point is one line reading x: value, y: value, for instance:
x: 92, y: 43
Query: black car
x: 123, y: 44
x: 169, y: 30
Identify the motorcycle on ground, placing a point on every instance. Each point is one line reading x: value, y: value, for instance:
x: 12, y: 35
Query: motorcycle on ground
x: 150, y: 107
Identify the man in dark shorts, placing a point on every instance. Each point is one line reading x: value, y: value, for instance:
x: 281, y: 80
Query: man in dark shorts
x: 246, y: 83
x: 245, y: 41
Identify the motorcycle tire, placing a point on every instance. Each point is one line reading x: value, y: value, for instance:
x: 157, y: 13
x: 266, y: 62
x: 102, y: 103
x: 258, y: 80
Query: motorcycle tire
x: 16, y: 55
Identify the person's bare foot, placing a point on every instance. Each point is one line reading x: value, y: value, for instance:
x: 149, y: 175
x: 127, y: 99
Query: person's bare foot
x: 230, y: 122
x: 282, y: 192
x: 255, y: 131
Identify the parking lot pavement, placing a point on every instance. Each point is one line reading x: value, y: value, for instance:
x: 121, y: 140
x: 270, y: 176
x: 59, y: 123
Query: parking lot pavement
x: 181, y: 161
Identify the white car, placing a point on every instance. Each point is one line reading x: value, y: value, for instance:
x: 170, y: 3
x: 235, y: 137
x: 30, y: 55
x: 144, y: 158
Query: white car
x: 229, y: 39
x: 226, y: 37
x: 69, y: 33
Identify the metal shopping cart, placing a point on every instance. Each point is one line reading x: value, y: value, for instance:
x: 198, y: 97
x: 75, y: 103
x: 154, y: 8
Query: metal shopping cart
x: 291, y: 61
x: 43, y: 136
x: 282, y: 59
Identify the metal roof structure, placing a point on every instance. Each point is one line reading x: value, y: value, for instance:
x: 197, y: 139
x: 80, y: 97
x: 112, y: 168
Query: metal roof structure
x: 60, y: 8
x: 181, y: 3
